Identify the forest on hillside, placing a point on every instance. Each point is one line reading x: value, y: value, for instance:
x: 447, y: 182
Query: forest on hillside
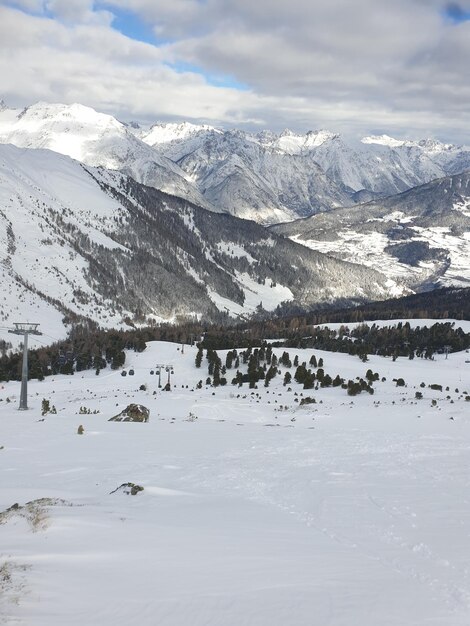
x: 89, y: 348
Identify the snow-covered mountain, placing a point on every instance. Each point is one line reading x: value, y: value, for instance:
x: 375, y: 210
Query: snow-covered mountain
x: 265, y: 177
x: 453, y: 159
x: 95, y: 139
x: 175, y: 137
x: 301, y: 173
x: 245, y: 175
x: 420, y: 237
x: 83, y: 241
x: 222, y: 171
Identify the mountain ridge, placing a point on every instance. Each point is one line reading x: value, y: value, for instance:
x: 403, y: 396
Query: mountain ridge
x: 267, y: 177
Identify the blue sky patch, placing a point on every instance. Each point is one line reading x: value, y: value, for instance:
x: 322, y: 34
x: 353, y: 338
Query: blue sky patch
x: 217, y: 80
x: 456, y: 14
x: 129, y: 24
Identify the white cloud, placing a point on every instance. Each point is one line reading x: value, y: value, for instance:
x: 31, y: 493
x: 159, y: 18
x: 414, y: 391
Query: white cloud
x: 29, y: 5
x: 43, y: 59
x: 78, y: 11
x: 362, y: 66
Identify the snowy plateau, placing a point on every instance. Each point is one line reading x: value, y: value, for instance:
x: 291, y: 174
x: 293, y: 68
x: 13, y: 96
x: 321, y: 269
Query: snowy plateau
x: 256, y: 509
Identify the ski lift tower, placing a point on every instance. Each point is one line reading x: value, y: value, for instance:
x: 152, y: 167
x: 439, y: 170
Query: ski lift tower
x: 167, y: 368
x: 24, y: 329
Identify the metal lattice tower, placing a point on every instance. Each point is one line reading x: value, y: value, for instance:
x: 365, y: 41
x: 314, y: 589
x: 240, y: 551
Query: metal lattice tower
x: 25, y: 329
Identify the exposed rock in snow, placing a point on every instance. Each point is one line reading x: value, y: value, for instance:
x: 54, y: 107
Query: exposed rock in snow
x: 132, y: 413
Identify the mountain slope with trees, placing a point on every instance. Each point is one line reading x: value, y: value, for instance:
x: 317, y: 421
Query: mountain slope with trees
x: 89, y: 243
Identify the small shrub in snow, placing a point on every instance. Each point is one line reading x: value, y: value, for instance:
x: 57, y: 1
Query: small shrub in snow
x: 84, y: 411
x: 47, y: 408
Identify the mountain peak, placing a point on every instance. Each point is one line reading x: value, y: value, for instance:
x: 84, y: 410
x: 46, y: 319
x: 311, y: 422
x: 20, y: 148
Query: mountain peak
x: 161, y: 133
x: 76, y: 113
x: 317, y: 137
x: 383, y: 140
x: 433, y: 145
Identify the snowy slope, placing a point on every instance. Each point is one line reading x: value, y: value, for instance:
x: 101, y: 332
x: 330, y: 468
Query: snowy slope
x: 255, y: 510
x: 39, y: 190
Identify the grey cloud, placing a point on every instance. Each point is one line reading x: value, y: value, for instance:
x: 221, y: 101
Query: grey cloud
x: 29, y: 5
x: 78, y: 11
x: 350, y: 66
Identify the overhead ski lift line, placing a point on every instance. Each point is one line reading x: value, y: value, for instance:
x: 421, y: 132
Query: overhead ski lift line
x: 46, y: 345
x: 44, y: 334
x: 51, y: 337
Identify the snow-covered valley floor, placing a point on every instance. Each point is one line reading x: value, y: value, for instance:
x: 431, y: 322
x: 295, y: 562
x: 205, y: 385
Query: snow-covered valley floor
x: 354, y: 511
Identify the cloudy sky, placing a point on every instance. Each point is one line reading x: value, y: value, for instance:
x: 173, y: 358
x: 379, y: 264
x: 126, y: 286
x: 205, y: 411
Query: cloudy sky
x: 355, y: 66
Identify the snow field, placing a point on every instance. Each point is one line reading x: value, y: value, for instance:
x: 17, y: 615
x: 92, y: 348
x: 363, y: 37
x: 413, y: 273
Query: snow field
x: 348, y: 511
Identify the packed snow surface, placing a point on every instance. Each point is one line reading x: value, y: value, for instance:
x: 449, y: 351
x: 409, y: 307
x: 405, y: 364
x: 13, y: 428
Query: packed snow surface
x: 255, y: 510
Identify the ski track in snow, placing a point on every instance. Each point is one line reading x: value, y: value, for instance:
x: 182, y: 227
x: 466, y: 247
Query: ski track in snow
x: 349, y: 511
